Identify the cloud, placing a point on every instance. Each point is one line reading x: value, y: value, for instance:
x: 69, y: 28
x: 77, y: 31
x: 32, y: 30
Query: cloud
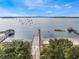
x: 57, y: 6
x: 16, y: 14
x: 62, y: 6
x: 68, y: 6
x: 34, y: 3
x: 35, y: 7
x: 49, y: 12
x: 7, y: 12
x: 30, y: 8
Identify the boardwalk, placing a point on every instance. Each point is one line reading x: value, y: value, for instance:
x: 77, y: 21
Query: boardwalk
x: 36, y: 47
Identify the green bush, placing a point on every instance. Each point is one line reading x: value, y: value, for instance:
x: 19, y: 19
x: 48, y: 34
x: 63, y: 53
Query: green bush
x: 73, y: 53
x: 56, y: 49
x: 16, y: 50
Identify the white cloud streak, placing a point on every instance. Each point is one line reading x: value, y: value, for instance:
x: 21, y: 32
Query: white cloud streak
x: 57, y: 6
x: 49, y: 11
x: 34, y: 3
x: 68, y: 6
x: 6, y: 12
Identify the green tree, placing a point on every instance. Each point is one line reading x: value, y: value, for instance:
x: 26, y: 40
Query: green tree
x: 73, y: 53
x: 1, y: 49
x: 17, y: 50
x: 44, y: 52
x: 56, y: 49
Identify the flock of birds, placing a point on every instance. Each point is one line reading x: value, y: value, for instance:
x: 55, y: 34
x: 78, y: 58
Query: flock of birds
x: 27, y: 22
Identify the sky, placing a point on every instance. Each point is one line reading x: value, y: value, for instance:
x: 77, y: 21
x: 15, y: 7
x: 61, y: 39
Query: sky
x: 39, y: 7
